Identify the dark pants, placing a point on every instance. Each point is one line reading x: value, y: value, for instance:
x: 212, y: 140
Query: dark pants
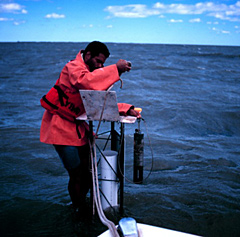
x: 76, y: 160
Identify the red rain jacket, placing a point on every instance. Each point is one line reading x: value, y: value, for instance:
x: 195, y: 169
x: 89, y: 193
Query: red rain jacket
x: 75, y: 75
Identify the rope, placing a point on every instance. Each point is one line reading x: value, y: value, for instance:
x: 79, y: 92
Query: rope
x: 96, y: 195
x: 104, y: 104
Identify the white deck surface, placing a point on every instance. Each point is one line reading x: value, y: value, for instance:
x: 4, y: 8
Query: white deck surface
x: 153, y: 231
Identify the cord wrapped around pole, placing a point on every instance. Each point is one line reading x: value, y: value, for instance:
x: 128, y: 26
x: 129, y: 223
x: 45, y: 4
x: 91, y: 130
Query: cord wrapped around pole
x: 96, y: 195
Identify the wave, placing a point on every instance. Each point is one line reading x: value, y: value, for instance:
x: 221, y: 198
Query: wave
x: 216, y: 55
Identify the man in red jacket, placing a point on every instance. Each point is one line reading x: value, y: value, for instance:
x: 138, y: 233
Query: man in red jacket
x: 86, y: 71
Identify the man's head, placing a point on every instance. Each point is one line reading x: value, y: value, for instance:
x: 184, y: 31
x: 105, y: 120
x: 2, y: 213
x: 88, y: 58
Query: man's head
x: 95, y: 54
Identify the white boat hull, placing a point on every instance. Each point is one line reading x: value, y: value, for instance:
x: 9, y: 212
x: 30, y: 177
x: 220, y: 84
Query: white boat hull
x: 152, y: 231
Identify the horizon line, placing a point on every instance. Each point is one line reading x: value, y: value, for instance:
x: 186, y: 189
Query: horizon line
x: 180, y: 44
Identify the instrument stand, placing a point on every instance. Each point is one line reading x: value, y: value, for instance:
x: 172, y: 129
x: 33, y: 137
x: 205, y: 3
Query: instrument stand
x: 102, y: 105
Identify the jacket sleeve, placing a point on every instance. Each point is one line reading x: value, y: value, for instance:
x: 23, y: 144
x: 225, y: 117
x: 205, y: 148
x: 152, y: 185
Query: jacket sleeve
x: 100, y: 79
x: 124, y: 108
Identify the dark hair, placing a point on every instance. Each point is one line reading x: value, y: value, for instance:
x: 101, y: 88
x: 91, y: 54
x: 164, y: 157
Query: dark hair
x: 95, y: 48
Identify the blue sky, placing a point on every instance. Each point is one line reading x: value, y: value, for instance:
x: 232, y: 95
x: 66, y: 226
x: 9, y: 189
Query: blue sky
x: 143, y: 21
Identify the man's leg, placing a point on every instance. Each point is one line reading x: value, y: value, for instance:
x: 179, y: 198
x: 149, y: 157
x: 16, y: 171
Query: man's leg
x: 76, y: 161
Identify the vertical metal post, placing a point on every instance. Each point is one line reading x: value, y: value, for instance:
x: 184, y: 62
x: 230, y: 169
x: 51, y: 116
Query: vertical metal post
x: 121, y: 164
x: 113, y: 148
x: 91, y: 141
x: 91, y: 131
x: 115, y: 139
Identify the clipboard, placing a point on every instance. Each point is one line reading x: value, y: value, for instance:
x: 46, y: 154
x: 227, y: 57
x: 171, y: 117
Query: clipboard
x: 94, y: 101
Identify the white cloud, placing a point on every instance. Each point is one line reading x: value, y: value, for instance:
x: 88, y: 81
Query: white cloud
x: 88, y: 26
x: 12, y: 8
x: 16, y: 23
x: 220, y: 31
x: 225, y: 32
x: 24, y: 11
x: 219, y: 11
x: 237, y: 29
x: 161, y: 16
x: 175, y: 21
x: 109, y: 26
x: 215, y: 22
x: 6, y: 19
x: 131, y: 11
x: 55, y: 16
x: 195, y: 20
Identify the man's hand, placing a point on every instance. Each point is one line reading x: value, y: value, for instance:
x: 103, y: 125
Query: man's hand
x: 134, y: 113
x: 123, y: 66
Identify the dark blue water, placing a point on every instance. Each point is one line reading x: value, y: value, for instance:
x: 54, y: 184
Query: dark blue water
x: 190, y: 97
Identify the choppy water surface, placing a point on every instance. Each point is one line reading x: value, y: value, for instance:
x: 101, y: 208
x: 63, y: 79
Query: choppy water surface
x: 191, y: 104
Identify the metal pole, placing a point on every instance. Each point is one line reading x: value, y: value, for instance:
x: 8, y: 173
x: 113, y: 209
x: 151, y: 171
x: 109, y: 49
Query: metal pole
x: 115, y: 139
x: 91, y: 131
x: 121, y: 164
x: 113, y: 148
x: 91, y: 141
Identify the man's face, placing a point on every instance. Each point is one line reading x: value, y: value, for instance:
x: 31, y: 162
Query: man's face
x: 95, y: 62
